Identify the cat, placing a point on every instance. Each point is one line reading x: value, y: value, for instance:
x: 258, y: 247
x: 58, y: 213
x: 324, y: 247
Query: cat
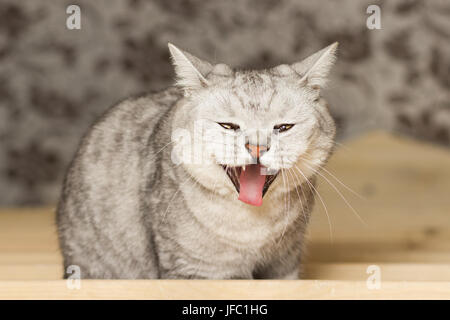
x: 139, y: 202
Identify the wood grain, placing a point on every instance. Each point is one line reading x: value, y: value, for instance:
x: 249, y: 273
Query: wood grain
x: 222, y: 289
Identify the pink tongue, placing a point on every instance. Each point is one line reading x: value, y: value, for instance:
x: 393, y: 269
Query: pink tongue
x: 251, y: 185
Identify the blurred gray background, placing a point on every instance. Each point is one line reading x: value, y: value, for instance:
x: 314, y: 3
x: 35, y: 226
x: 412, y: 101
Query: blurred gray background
x: 54, y: 82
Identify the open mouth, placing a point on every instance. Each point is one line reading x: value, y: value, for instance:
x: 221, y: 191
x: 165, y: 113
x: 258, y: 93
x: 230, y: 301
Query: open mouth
x: 251, y: 182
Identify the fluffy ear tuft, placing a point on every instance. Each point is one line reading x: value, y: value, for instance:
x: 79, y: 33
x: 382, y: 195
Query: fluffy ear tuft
x: 314, y: 70
x: 190, y: 70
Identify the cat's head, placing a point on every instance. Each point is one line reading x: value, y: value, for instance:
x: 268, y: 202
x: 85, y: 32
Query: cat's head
x: 246, y: 131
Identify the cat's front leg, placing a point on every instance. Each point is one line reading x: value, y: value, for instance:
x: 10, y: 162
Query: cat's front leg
x: 202, y: 277
x: 284, y: 265
x: 205, y: 273
x: 293, y: 275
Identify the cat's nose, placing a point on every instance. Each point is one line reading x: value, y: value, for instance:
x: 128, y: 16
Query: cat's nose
x: 256, y: 151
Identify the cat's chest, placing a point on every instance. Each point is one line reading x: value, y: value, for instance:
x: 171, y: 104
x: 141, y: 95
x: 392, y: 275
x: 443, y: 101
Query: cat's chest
x: 242, y: 225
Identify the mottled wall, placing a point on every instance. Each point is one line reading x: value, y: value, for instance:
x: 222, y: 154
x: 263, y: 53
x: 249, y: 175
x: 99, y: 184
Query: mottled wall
x: 54, y: 82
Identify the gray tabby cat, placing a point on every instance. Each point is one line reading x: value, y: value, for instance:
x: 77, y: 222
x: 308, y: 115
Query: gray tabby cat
x: 135, y: 206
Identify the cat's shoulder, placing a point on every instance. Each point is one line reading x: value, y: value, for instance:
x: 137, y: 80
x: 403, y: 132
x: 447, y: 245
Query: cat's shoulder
x: 142, y: 106
x: 130, y: 120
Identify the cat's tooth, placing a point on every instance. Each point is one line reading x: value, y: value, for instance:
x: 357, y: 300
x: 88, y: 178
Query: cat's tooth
x: 244, y: 168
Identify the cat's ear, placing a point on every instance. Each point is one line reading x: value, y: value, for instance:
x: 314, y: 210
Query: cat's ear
x: 314, y: 70
x: 190, y: 71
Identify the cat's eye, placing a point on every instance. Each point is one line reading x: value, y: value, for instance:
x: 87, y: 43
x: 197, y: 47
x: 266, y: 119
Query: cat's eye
x: 283, y: 127
x: 229, y: 126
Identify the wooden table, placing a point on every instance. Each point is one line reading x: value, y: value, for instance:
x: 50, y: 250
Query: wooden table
x: 403, y: 230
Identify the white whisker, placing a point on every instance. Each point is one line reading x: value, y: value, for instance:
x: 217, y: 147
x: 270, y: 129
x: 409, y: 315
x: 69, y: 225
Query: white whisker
x: 173, y: 197
x: 298, y: 194
x: 286, y: 212
x: 337, y: 190
x: 321, y: 200
x: 167, y: 144
x: 339, y: 181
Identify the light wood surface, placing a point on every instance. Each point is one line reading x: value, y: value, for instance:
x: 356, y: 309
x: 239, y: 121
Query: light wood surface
x: 222, y: 289
x: 406, y: 233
